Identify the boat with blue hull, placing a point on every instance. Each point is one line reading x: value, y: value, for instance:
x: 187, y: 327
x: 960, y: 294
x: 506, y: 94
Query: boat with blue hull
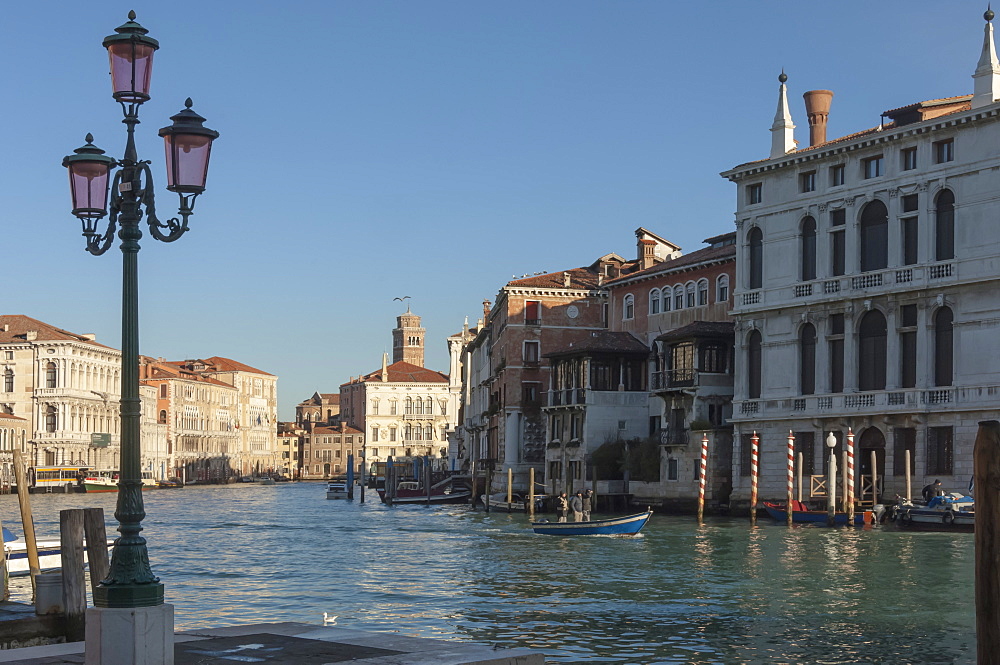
x: 629, y: 525
x: 801, y: 514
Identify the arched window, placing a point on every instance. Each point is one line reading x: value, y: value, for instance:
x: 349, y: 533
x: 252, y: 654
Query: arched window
x: 874, y: 237
x: 722, y: 289
x: 654, y: 301
x: 628, y: 307
x: 50, y: 418
x: 429, y: 406
x: 408, y: 407
x: 807, y: 359
x: 678, y: 297
x: 8, y: 380
x: 163, y: 417
x: 944, y: 232
x: 689, y: 292
x: 755, y: 258
x: 666, y: 299
x: 943, y: 347
x: 702, y: 292
x: 808, y: 249
x: 429, y: 432
x: 753, y: 364
x: 871, y: 351
x: 50, y: 375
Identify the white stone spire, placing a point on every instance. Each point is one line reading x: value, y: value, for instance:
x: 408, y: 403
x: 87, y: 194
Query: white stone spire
x: 782, y: 131
x: 987, y: 76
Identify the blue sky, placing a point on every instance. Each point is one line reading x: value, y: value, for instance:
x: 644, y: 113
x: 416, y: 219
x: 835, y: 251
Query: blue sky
x: 433, y: 149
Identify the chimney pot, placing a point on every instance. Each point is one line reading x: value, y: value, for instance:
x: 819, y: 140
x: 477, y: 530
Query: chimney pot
x: 818, y: 110
x: 567, y: 280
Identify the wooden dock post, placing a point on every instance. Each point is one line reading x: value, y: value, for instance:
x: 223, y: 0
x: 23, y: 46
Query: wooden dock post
x: 986, y: 479
x: 74, y: 589
x: 790, y: 476
x: 390, y: 485
x: 874, y: 483
x: 702, y: 473
x: 906, y: 473
x: 350, y: 476
x: 97, y: 545
x: 530, y: 508
x: 849, y: 477
x: 427, y: 477
x: 510, y: 486
x: 27, y: 523
x: 800, y: 477
x: 754, y: 467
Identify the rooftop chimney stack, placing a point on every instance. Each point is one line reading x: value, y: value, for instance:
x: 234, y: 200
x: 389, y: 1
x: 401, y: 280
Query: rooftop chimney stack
x: 818, y: 110
x: 567, y: 280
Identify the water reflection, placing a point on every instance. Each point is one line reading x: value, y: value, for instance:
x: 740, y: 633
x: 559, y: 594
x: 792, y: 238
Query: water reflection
x: 722, y: 592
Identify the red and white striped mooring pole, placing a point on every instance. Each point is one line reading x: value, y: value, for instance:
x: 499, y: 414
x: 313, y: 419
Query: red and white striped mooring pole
x: 791, y: 475
x: 754, y: 451
x: 849, y: 490
x: 702, y: 474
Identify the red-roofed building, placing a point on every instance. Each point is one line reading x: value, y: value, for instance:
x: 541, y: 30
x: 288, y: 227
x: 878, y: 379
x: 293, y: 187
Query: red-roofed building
x: 404, y: 409
x: 325, y: 452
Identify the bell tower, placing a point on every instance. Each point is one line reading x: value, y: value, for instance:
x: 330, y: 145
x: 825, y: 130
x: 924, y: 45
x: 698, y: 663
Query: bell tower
x: 408, y: 339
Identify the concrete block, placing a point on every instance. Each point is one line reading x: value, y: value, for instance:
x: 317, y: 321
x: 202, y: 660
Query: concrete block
x: 130, y: 636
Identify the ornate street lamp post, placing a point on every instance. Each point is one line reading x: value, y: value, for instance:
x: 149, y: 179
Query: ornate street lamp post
x: 130, y: 582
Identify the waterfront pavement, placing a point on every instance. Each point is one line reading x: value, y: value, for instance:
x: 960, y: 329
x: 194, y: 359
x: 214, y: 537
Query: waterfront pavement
x: 298, y: 644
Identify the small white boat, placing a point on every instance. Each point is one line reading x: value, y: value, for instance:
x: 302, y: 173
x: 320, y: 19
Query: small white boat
x: 16, y: 553
x: 336, y: 489
x: 951, y: 512
x: 517, y: 504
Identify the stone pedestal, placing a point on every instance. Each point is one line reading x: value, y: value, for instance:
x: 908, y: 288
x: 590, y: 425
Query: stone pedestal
x: 130, y: 636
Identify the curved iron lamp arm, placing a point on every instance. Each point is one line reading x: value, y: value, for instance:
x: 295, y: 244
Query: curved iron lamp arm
x: 175, y: 227
x: 98, y: 244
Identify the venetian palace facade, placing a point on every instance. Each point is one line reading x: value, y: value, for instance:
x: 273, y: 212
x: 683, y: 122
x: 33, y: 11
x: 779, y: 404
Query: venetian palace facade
x: 867, y: 294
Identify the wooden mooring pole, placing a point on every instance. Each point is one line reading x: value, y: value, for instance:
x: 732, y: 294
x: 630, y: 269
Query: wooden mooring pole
x: 510, y: 487
x: 986, y: 479
x: 907, y: 474
x: 790, y: 477
x: 530, y: 508
x: 849, y: 477
x: 27, y: 523
x: 389, y: 480
x: 97, y: 545
x: 74, y: 590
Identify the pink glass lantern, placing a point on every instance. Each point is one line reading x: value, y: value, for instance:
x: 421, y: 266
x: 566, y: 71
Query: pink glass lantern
x: 89, y: 169
x: 131, y: 58
x: 188, y: 144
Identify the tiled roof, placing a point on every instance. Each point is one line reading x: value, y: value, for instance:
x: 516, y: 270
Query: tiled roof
x: 11, y: 416
x: 580, y: 278
x: 330, y: 398
x: 961, y: 104
x: 221, y: 364
x: 404, y: 372
x: 599, y: 341
x: 155, y: 370
x: 18, y: 325
x: 700, y: 329
x: 335, y: 429
x: 694, y: 258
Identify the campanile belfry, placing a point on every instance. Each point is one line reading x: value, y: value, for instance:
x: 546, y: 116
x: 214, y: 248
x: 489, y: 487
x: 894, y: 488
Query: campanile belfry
x: 408, y: 339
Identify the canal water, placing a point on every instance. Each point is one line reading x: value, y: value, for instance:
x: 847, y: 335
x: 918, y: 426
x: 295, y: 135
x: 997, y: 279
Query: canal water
x: 679, y: 593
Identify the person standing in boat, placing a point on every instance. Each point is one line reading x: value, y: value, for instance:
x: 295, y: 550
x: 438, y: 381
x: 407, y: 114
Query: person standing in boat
x: 562, y: 505
x: 576, y: 505
x: 588, y: 504
x: 932, y: 490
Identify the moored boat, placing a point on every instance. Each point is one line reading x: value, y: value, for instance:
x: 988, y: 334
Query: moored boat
x: 411, y: 492
x: 107, y: 481
x: 628, y: 525
x: 802, y: 514
x: 518, y: 502
x: 951, y: 512
x: 336, y: 489
x: 16, y: 552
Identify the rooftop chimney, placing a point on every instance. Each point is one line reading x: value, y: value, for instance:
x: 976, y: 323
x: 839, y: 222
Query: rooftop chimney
x: 818, y: 110
x: 486, y: 310
x: 567, y: 280
x: 31, y: 335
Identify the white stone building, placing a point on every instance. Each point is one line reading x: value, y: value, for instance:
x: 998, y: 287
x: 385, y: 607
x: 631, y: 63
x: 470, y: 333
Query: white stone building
x: 68, y: 387
x: 868, y: 291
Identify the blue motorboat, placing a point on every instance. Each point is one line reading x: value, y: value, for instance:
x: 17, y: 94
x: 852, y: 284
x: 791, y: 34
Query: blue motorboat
x: 629, y: 525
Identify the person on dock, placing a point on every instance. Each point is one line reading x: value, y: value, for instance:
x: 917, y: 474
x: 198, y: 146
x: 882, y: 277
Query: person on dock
x: 932, y: 490
x: 562, y: 506
x: 588, y: 504
x: 576, y: 505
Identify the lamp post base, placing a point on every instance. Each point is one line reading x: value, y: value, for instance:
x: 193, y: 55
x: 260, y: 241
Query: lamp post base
x: 130, y: 636
x: 128, y: 595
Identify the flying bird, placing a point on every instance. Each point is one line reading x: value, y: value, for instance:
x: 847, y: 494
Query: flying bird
x: 401, y: 299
